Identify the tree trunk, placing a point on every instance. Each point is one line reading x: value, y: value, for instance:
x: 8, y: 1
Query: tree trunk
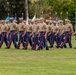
x: 26, y: 9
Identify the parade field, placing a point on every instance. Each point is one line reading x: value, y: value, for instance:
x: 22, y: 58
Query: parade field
x: 37, y: 37
x: 28, y: 62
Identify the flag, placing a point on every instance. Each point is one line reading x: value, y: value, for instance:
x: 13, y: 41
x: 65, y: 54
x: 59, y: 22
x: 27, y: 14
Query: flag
x: 34, y: 17
x: 15, y: 18
x: 56, y: 19
x: 8, y: 18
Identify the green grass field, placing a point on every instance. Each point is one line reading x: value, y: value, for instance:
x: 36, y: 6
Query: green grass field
x: 52, y: 62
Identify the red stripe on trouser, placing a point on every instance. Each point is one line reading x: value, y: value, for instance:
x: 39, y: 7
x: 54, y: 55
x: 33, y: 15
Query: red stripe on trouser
x: 34, y: 44
x: 41, y: 41
x: 10, y: 42
x: 35, y: 41
x: 20, y: 40
x: 53, y: 40
x: 2, y: 40
x: 70, y: 32
x: 27, y: 42
x: 60, y: 41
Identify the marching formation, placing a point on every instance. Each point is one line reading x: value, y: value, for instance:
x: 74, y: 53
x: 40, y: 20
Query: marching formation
x: 38, y: 33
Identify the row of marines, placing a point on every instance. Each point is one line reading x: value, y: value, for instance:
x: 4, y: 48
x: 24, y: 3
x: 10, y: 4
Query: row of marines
x: 38, y: 33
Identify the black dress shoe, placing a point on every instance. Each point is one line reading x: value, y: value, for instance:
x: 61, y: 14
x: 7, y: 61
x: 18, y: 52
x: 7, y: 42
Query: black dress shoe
x: 57, y: 46
x: 75, y: 48
x: 24, y: 48
x: 61, y: 47
x: 7, y: 48
x: 47, y: 48
x: 51, y: 47
x: 17, y: 48
x: 38, y: 50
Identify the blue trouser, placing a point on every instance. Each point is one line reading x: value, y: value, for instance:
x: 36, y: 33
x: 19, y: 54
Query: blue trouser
x: 30, y: 41
x: 16, y: 37
x: 67, y: 39
x: 27, y: 39
x: 3, y: 38
x: 13, y: 38
x: 49, y: 39
x: 59, y: 39
x: 63, y: 40
x: 42, y: 41
x: 35, y: 40
x: 21, y: 39
x: 53, y: 38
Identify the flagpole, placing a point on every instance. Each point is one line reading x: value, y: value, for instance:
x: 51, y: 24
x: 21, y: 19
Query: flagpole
x: 75, y: 25
x: 61, y: 15
x: 15, y: 14
x: 42, y: 15
x: 67, y: 15
x: 22, y: 14
x: 8, y: 14
x: 55, y: 15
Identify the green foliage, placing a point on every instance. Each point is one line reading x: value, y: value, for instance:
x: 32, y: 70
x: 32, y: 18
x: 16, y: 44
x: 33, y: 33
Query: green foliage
x: 48, y: 7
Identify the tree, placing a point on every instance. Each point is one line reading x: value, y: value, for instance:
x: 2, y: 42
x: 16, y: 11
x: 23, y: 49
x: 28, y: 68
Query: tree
x: 48, y: 7
x: 26, y: 5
